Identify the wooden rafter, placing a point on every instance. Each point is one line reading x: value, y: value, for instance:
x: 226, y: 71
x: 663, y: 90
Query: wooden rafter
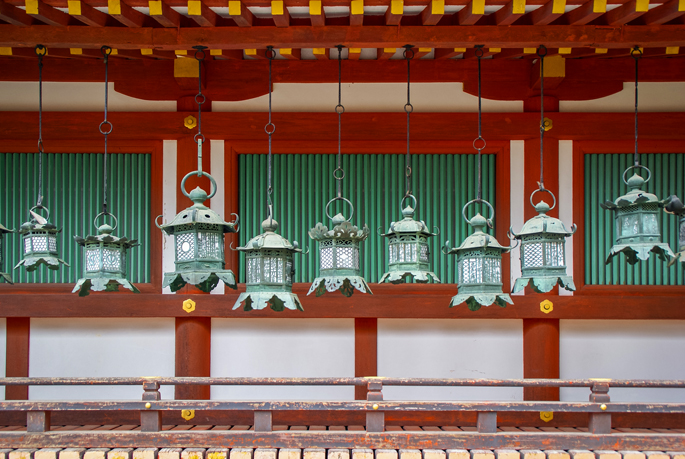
x: 626, y: 12
x: 664, y: 13
x: 240, y: 14
x: 280, y: 14
x: 394, y: 13
x: 433, y: 12
x: 471, y: 13
x: 233, y: 54
x: 585, y: 13
x: 87, y: 14
x: 316, y: 13
x: 162, y: 13
x: 356, y: 12
x: 448, y: 53
x: 46, y: 13
x: 290, y: 53
x: 13, y: 15
x: 386, y: 53
x: 125, y: 14
x: 510, y: 12
x: 199, y: 12
x: 548, y: 12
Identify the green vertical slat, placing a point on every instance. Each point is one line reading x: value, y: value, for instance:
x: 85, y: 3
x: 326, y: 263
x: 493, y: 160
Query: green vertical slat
x: 72, y: 190
x: 603, y: 181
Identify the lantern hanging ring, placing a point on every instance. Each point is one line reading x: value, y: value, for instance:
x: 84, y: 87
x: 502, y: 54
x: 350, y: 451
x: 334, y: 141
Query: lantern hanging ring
x: 479, y: 148
x: 339, y: 198
x: 410, y: 196
x: 479, y: 201
x: 104, y: 124
x: 106, y: 214
x: 554, y: 199
x: 270, y: 128
x: 638, y: 166
x: 636, y: 52
x: 408, y: 52
x: 211, y: 179
x: 40, y: 207
x: 541, y: 51
x: 339, y: 173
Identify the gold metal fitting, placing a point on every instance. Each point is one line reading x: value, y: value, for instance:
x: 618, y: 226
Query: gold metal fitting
x: 546, y: 416
x: 547, y: 123
x: 190, y: 122
x: 546, y: 306
x: 188, y: 414
x: 188, y: 306
x: 375, y: 406
x: 148, y: 405
x: 603, y: 407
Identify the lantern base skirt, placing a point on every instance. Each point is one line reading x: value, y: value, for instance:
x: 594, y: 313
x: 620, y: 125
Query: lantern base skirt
x: 640, y: 251
x: 99, y: 284
x: 678, y: 256
x: 7, y: 278
x: 346, y: 285
x: 205, y: 281
x: 278, y: 301
x: 544, y: 284
x: 32, y: 263
x: 401, y: 277
x: 475, y: 301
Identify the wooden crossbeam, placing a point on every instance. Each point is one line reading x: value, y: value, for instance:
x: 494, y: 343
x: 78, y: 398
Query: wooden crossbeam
x: 433, y: 12
x: 664, y: 13
x: 356, y: 12
x: 316, y: 13
x: 585, y: 13
x: 320, y: 53
x: 256, y: 53
x: 290, y: 53
x: 394, y: 13
x: 420, y: 52
x: 46, y: 13
x: 510, y: 12
x: 626, y: 12
x: 240, y: 14
x: 233, y: 54
x: 354, y: 53
x: 280, y: 14
x: 386, y: 53
x: 125, y: 14
x: 448, y: 53
x: 200, y: 13
x: 13, y: 15
x: 471, y: 13
x: 162, y: 13
x: 87, y: 14
x: 548, y: 12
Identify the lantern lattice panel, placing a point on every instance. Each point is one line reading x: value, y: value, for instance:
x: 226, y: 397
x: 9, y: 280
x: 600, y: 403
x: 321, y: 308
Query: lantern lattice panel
x: 603, y: 182
x: 72, y: 190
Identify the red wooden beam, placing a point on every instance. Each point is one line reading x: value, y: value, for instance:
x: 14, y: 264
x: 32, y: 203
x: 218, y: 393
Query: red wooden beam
x: 193, y: 354
x: 162, y: 13
x: 17, y: 355
x: 330, y: 36
x: 386, y: 53
x: 585, y: 13
x: 471, y: 13
x: 510, y: 12
x: 125, y: 14
x: 46, y: 13
x: 289, y: 53
x: 548, y: 12
x: 317, y: 16
x: 434, y: 11
x: 365, y: 352
x: 541, y: 356
x: 357, y: 12
x: 13, y: 15
x: 240, y: 14
x: 87, y: 14
x: 199, y: 12
x: 281, y: 18
x: 394, y: 13
x: 448, y: 53
x: 626, y: 12
x: 663, y: 13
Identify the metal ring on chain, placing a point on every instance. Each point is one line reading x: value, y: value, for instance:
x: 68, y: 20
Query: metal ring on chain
x: 413, y: 198
x: 41, y: 149
x: 198, y: 100
x: 407, y: 171
x: 41, y: 207
x: 554, y: 202
x: 270, y: 128
x: 476, y: 140
x: 478, y: 201
x: 116, y: 222
x: 339, y: 198
x: 106, y: 50
x: 339, y: 173
x: 41, y: 50
x: 541, y: 51
x: 198, y: 135
x: 649, y: 176
x: 211, y: 179
x: 200, y: 52
x: 339, y: 109
x: 409, y: 108
x: 479, y: 51
x: 106, y: 123
x: 636, y: 52
x: 270, y: 53
x: 406, y: 54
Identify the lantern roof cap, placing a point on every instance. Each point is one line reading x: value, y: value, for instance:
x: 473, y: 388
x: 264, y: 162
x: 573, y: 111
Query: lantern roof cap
x: 5, y: 230
x: 105, y: 236
x: 634, y: 196
x: 342, y: 230
x: 478, y: 240
x: 37, y: 222
x: 408, y: 225
x: 199, y: 213
x: 543, y: 223
x: 269, y: 239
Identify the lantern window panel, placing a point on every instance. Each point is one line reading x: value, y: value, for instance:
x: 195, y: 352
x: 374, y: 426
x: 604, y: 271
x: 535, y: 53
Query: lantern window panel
x: 39, y: 242
x: 392, y: 253
x: 289, y: 272
x: 326, y: 250
x: 208, y: 245
x: 651, y: 224
x: 424, y: 254
x: 254, y: 270
x: 531, y: 254
x: 111, y: 260
x: 92, y: 255
x: 630, y: 225
x: 493, y: 270
x: 185, y: 246
x: 345, y: 257
x: 554, y: 253
x: 471, y: 270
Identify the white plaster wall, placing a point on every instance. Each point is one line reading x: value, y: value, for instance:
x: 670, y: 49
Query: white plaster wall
x: 565, y: 201
x: 169, y: 184
x: 283, y: 348
x: 100, y: 347
x: 623, y: 349
x: 516, y: 203
x: 653, y: 97
x: 431, y: 348
x: 3, y: 353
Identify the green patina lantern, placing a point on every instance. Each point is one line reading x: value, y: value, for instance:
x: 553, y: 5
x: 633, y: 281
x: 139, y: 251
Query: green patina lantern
x: 198, y: 234
x: 3, y: 274
x: 270, y: 270
x: 408, y: 251
x: 104, y: 260
x: 543, y: 250
x: 636, y: 225
x: 676, y: 207
x: 39, y: 238
x: 339, y: 267
x: 479, y: 265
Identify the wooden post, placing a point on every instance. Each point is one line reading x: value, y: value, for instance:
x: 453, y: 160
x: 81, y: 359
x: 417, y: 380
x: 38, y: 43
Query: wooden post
x: 487, y: 422
x: 151, y: 420
x: 17, y: 356
x: 37, y: 421
x: 375, y: 420
x: 365, y: 352
x: 600, y: 423
x: 541, y: 356
x: 193, y: 348
x: 263, y: 421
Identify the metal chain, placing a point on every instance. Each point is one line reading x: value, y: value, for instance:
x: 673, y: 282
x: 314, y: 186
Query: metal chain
x: 408, y: 108
x: 269, y: 129
x: 40, y: 52
x: 106, y: 51
x: 199, y: 100
x: 479, y: 56
x: 339, y: 172
x: 542, y: 52
x: 636, y: 54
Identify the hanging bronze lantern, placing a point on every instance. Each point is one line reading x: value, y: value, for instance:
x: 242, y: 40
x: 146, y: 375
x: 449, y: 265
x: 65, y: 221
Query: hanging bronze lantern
x: 409, y: 253
x: 104, y: 260
x: 39, y: 238
x: 269, y: 268
x: 339, y: 267
x: 543, y: 238
x: 543, y: 251
x: 479, y: 265
x: 676, y: 207
x: 3, y: 274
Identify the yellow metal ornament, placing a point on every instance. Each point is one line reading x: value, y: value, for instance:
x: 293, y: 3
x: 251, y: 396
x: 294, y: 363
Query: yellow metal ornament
x: 546, y: 416
x: 190, y: 122
x: 188, y: 306
x: 188, y: 414
x: 546, y: 306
